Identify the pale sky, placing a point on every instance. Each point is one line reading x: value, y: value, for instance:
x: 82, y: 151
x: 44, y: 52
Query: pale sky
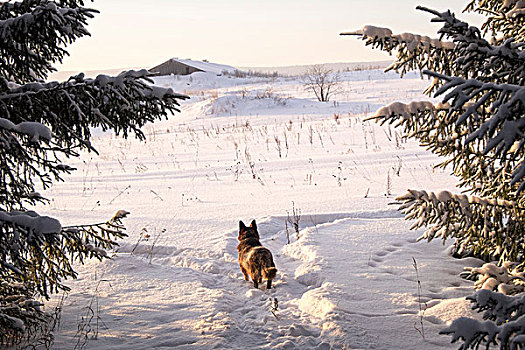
x: 144, y: 33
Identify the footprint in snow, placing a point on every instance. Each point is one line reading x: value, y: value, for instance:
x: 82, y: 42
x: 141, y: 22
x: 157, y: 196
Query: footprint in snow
x: 377, y: 259
x: 381, y: 253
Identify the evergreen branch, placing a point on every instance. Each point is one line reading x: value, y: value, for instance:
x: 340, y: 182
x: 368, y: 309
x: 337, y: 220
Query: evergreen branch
x: 504, y: 18
x: 123, y: 103
x: 472, y: 221
x: 503, y: 130
x: 28, y: 239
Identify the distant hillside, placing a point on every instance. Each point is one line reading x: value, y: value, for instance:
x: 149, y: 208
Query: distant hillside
x: 285, y: 70
x: 342, y: 66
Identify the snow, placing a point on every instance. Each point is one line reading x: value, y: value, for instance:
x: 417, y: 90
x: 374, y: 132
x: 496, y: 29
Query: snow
x: 499, y: 278
x: 346, y: 280
x: 39, y: 224
x: 415, y: 40
x: 15, y: 322
x: 406, y: 110
x: 372, y: 31
x: 33, y: 129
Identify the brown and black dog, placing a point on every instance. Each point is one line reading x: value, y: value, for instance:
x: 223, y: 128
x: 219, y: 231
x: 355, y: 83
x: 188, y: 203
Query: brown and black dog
x: 254, y: 259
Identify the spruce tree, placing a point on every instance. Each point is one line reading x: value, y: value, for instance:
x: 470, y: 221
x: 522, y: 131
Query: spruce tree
x: 42, y: 124
x: 478, y: 130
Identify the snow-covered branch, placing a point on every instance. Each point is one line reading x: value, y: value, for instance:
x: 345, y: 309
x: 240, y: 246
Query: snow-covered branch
x: 123, y: 103
x: 505, y: 19
x: 475, y: 57
x: 435, y: 127
x: 472, y: 221
x: 497, y: 112
x: 29, y: 235
x: 468, y: 55
x: 414, y: 51
x: 474, y: 333
x: 498, y: 307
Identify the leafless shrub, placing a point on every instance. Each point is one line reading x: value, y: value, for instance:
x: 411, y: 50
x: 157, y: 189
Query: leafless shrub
x: 293, y: 220
x: 251, y: 73
x: 266, y: 93
x: 322, y: 82
x: 251, y: 165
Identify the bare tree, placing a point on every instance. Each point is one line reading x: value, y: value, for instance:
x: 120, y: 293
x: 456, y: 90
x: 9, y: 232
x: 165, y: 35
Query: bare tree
x: 322, y: 81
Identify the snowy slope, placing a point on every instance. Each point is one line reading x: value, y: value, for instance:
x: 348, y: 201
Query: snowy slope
x: 247, y: 149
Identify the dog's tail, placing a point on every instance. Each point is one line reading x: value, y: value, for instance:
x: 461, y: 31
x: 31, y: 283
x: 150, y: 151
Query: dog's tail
x: 269, y: 273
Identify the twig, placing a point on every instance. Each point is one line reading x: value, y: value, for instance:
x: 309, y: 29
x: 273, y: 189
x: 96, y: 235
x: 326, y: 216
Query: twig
x: 422, y: 309
x: 120, y: 193
x: 274, y: 307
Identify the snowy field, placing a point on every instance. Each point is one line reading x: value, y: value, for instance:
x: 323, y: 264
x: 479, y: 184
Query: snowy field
x: 253, y: 148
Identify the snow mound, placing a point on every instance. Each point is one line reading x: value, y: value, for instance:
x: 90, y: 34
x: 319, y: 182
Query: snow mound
x: 448, y: 310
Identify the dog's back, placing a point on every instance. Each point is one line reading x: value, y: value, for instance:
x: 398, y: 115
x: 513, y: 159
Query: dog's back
x: 254, y: 259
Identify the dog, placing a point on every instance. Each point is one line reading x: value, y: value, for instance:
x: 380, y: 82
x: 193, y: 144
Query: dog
x: 255, y: 260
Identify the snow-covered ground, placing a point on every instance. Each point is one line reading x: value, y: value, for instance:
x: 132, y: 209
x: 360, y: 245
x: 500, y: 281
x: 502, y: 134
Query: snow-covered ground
x: 256, y: 148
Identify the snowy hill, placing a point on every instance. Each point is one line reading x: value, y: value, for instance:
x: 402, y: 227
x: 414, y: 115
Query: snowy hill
x: 254, y: 148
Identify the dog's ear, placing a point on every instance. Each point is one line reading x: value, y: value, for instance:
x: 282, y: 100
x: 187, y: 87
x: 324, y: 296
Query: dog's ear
x: 242, y: 226
x: 253, y: 224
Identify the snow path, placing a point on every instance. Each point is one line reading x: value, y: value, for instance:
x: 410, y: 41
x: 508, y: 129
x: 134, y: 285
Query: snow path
x: 346, y: 283
x: 329, y: 294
